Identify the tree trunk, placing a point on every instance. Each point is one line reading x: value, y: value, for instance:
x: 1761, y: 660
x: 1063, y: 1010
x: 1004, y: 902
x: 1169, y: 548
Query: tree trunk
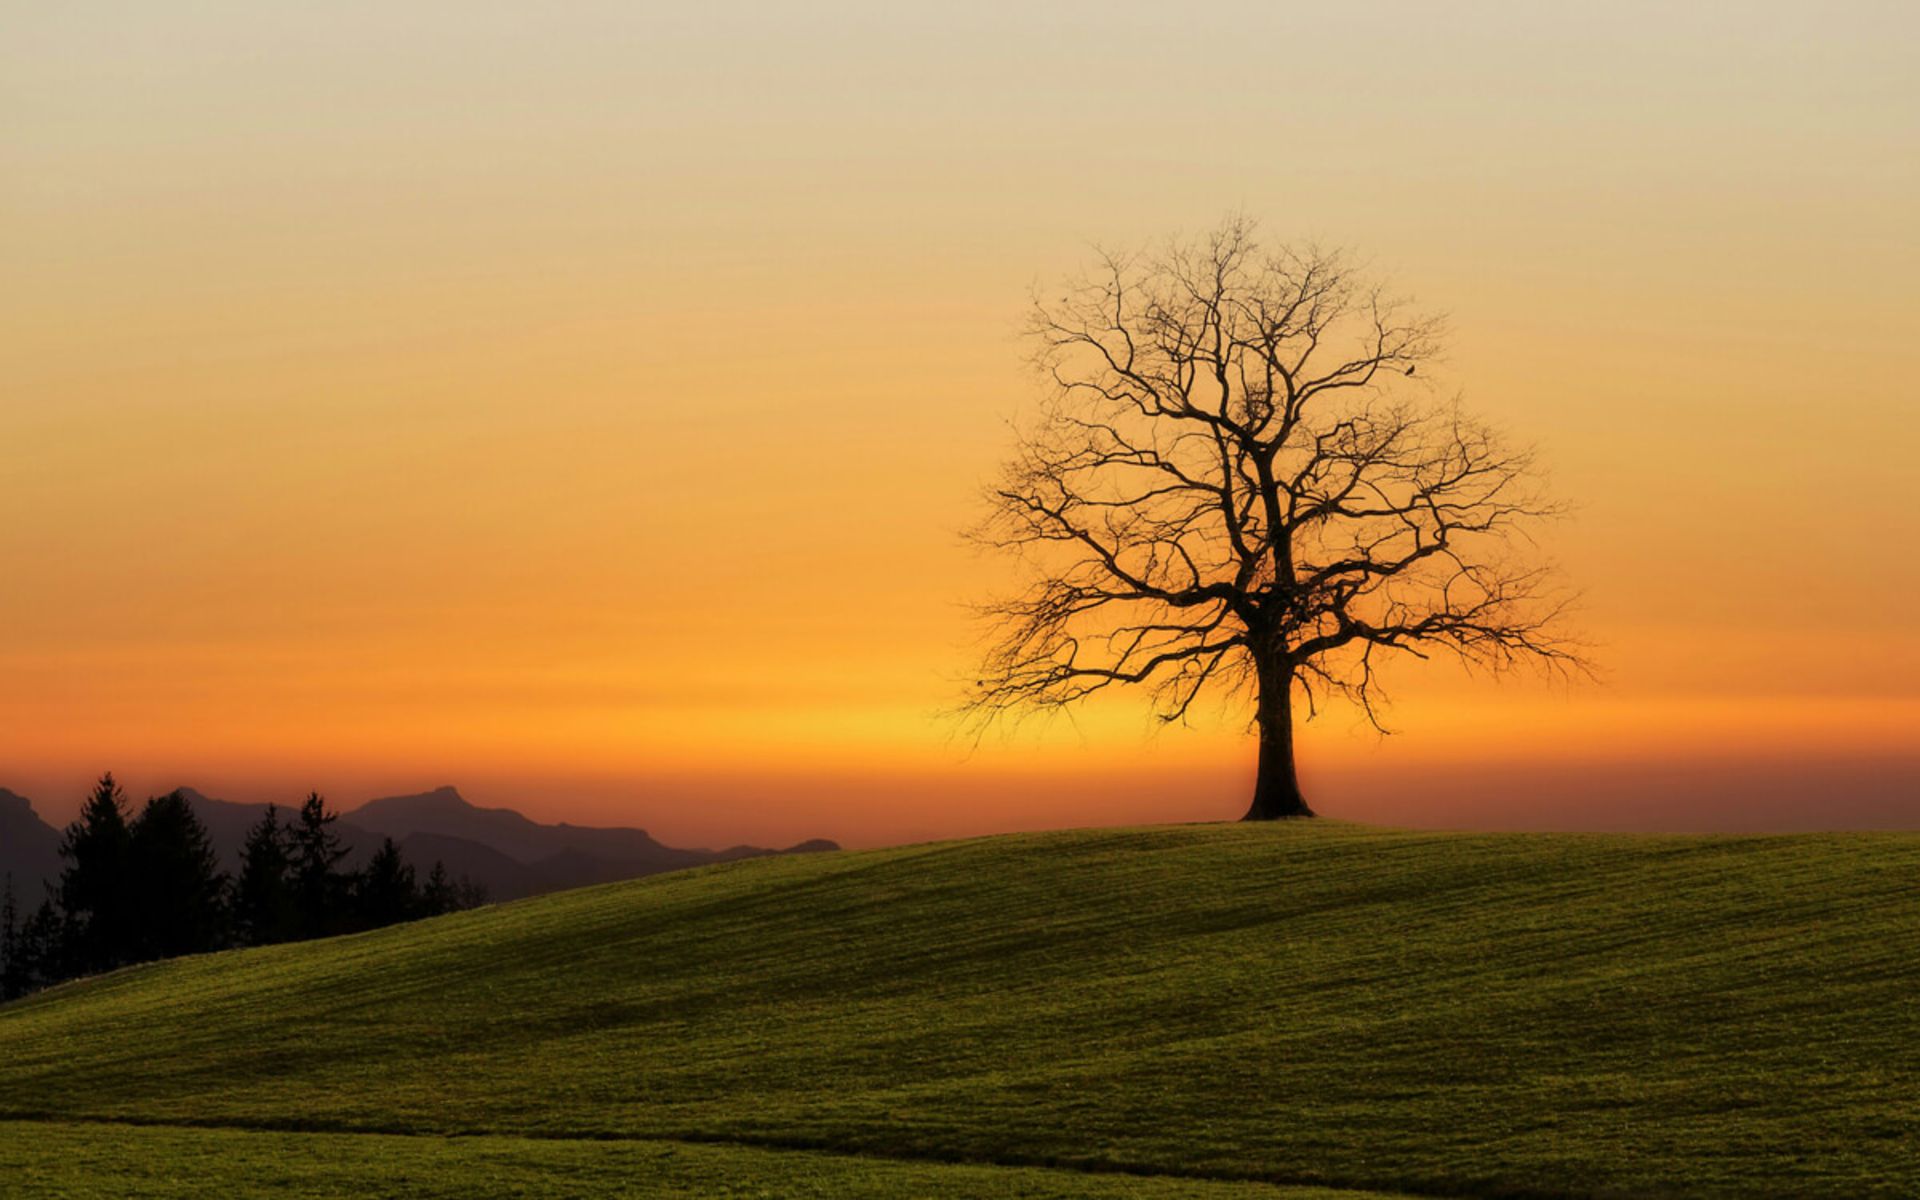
x: 1276, y: 789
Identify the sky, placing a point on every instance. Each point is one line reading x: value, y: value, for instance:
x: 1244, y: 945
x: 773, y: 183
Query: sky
x: 580, y: 402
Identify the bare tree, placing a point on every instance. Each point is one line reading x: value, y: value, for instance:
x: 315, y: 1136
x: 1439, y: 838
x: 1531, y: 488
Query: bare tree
x: 1242, y: 480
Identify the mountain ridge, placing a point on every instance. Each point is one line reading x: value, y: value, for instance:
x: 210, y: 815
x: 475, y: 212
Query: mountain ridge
x: 502, y: 850
x: 29, y: 848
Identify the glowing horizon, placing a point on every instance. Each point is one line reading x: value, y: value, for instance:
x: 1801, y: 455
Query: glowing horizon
x: 581, y: 410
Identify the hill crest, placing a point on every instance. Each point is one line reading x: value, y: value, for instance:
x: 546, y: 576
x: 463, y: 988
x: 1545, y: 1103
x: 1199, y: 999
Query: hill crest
x: 1444, y: 1014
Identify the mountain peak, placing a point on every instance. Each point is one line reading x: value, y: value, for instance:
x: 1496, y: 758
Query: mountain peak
x: 443, y: 811
x: 445, y: 796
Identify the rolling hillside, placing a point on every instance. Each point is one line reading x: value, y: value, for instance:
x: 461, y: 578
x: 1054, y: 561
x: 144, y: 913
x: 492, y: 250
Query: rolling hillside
x: 1177, y: 1011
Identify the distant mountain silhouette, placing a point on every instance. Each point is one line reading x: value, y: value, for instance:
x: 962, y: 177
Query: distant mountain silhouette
x: 504, y: 877
x: 29, y: 849
x: 444, y: 811
x: 442, y: 824
x: 228, y: 821
x: 499, y: 849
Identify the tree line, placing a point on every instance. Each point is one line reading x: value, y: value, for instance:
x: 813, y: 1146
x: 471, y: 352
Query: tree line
x: 136, y: 887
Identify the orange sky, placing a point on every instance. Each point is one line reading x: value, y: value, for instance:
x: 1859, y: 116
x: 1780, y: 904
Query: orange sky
x: 579, y: 403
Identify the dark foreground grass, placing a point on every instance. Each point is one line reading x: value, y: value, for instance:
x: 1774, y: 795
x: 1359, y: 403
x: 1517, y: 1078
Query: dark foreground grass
x: 1307, y: 1004
x: 53, y: 1161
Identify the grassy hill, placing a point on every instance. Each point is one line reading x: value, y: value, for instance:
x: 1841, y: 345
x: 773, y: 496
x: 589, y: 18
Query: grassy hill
x: 1140, y: 1012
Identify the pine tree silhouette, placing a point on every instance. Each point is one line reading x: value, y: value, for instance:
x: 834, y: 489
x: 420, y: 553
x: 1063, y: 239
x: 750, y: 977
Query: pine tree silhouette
x: 438, y: 896
x: 321, y: 892
x: 386, y: 891
x: 94, y: 886
x: 40, y: 949
x: 12, y: 982
x: 263, y: 908
x: 178, y: 888
x: 149, y: 888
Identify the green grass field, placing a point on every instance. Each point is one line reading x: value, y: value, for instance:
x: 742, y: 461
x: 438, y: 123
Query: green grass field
x: 1192, y: 1011
x: 81, y: 1160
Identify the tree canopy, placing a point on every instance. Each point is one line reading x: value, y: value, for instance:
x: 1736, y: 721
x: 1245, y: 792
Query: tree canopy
x: 1246, y: 478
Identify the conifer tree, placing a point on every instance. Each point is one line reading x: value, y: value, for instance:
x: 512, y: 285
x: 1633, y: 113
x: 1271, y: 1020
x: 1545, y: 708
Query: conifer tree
x: 11, y: 983
x: 95, y: 892
x: 386, y: 892
x: 177, y: 884
x: 320, y: 890
x: 263, y: 909
x: 438, y: 896
x: 39, y: 948
x: 469, y: 894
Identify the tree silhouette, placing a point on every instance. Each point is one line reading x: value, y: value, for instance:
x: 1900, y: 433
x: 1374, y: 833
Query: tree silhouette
x: 263, y: 909
x: 176, y: 881
x: 386, y: 893
x: 321, y: 891
x: 152, y: 888
x: 438, y: 896
x: 95, y: 889
x: 38, y: 957
x: 1242, y: 481
x: 12, y: 969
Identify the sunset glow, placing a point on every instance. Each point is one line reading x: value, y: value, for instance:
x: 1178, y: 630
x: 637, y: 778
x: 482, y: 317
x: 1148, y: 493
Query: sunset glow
x: 582, y: 407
